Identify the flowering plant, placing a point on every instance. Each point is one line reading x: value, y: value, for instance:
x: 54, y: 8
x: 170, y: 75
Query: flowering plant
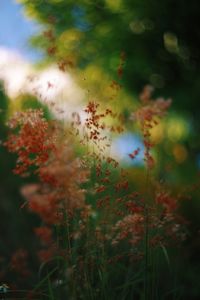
x: 94, y: 219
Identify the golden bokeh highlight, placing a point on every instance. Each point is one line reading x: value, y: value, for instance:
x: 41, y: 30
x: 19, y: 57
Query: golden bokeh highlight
x: 157, y: 133
x: 180, y: 153
x: 177, y: 129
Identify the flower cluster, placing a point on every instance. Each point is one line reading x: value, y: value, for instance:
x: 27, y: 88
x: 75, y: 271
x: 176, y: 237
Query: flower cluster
x: 107, y: 212
x: 58, y: 192
x: 148, y: 116
x: 33, y: 139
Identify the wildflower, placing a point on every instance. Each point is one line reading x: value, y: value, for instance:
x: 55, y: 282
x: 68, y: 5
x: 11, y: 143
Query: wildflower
x: 131, y: 227
x: 148, y: 115
x: 100, y: 189
x: 167, y: 201
x: 134, y: 153
x: 37, y: 144
x: 33, y: 142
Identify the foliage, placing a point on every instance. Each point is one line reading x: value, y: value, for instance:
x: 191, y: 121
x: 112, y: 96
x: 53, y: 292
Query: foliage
x: 94, y: 226
x: 159, y: 41
x: 104, y: 230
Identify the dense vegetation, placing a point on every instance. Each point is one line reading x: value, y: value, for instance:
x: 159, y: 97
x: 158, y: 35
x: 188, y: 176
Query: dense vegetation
x: 80, y: 223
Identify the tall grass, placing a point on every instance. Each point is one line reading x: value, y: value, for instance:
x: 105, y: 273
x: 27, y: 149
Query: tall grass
x: 102, y: 236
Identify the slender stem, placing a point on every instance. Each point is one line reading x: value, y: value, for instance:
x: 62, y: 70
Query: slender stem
x: 146, y: 252
x: 146, y: 269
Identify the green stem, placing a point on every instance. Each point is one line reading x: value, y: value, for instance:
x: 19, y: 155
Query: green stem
x: 146, y: 279
x: 146, y: 267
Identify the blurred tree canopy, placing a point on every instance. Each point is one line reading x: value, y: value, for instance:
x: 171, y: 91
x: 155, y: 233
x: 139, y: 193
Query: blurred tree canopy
x: 160, y: 40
